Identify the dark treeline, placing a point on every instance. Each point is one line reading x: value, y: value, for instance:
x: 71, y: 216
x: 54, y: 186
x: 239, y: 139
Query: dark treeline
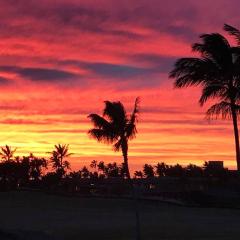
x: 164, y: 170
x: 54, y: 172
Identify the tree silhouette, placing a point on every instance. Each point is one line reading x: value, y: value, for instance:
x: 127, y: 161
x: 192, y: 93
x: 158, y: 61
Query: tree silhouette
x: 116, y: 127
x: 148, y: 171
x: 161, y: 169
x: 138, y: 174
x: 85, y: 172
x: 7, y: 153
x: 114, y: 170
x: 101, y: 169
x: 37, y: 165
x: 57, y: 159
x: 194, y: 171
x: 93, y: 164
x: 175, y: 171
x: 217, y: 71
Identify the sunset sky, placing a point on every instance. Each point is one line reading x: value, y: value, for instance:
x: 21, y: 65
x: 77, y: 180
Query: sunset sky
x: 60, y: 59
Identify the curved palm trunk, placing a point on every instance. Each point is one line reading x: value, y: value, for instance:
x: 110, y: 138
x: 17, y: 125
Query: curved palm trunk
x: 236, y: 135
x: 137, y: 216
x: 125, y: 158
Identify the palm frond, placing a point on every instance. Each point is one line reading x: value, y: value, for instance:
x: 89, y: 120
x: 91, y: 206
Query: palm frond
x: 117, y: 146
x: 212, y: 90
x: 131, y: 129
x: 193, y: 71
x: 237, y: 108
x: 99, y: 121
x: 232, y: 31
x: 62, y: 150
x: 214, y: 46
x: 103, y: 135
x: 222, y: 109
x: 115, y: 111
x: 66, y: 165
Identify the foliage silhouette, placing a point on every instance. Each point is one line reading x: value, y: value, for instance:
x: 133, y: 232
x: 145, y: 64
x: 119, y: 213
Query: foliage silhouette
x: 161, y: 169
x: 57, y: 159
x: 85, y: 172
x: 108, y: 170
x: 138, y: 174
x: 7, y: 153
x: 148, y: 171
x: 193, y: 171
x: 17, y: 172
x: 116, y: 127
x: 217, y: 71
x: 36, y: 166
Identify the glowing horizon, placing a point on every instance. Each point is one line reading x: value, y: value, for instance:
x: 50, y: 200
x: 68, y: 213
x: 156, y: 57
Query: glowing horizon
x: 60, y: 60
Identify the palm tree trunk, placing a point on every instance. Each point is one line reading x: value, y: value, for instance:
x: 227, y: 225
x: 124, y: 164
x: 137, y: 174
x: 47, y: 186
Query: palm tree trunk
x: 134, y: 193
x: 236, y: 134
x: 125, y: 157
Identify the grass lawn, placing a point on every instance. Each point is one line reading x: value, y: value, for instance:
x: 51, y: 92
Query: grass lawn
x: 40, y: 216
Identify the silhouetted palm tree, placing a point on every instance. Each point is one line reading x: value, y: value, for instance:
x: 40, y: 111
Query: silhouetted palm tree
x: 217, y: 71
x: 7, y: 153
x: 116, y: 127
x: 58, y: 155
x: 93, y: 164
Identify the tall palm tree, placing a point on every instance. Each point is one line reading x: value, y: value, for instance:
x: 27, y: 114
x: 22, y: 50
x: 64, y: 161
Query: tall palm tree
x: 58, y: 158
x: 217, y: 71
x: 116, y: 127
x: 7, y: 153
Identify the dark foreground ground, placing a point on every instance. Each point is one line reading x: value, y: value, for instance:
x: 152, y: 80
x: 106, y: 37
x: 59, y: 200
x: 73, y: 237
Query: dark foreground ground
x: 30, y: 216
